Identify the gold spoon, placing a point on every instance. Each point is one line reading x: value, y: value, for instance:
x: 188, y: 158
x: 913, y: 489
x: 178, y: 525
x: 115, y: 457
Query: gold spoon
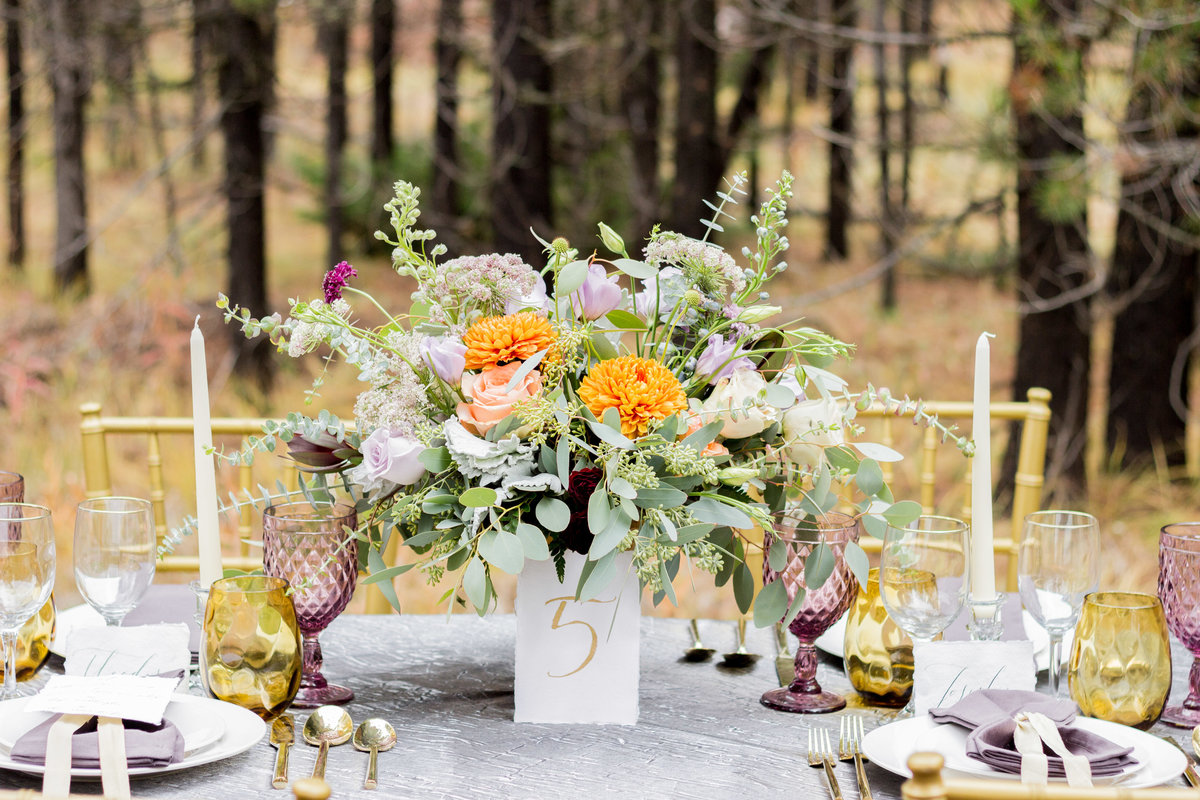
x: 326, y: 726
x: 373, y: 735
x: 1196, y: 739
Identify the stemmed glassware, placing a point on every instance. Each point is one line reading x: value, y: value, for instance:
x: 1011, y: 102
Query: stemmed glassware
x: 1179, y: 591
x: 26, y: 576
x: 923, y: 577
x: 308, y: 545
x: 821, y: 607
x: 1057, y: 566
x: 12, y: 487
x: 114, y: 554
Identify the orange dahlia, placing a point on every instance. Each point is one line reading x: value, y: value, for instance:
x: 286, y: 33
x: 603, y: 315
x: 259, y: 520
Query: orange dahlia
x: 496, y: 340
x: 641, y: 389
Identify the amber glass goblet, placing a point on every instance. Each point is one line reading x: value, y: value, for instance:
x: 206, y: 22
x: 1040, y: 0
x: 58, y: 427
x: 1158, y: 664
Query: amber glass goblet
x: 1179, y: 591
x: 33, y: 642
x: 308, y: 545
x: 251, y: 651
x: 26, y: 576
x: 821, y: 606
x: 878, y: 653
x: 1120, y: 668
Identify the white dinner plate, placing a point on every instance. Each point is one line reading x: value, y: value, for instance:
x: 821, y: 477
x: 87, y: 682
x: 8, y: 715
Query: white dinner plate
x: 890, y: 746
x: 212, y: 731
x: 833, y: 640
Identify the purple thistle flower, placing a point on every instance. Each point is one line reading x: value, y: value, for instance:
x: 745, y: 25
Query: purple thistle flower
x: 336, y: 279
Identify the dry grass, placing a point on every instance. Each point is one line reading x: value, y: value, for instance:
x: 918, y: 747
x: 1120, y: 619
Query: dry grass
x: 126, y: 344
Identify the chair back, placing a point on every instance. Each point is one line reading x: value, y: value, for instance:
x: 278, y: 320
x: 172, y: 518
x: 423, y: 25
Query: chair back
x: 1033, y: 416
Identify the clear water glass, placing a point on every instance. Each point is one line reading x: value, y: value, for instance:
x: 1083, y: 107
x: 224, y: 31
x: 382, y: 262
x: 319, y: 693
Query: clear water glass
x: 1057, y: 566
x: 923, y: 577
x: 115, y: 552
x: 26, y: 576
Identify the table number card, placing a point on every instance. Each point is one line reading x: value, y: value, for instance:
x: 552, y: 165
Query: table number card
x: 120, y: 696
x: 945, y: 672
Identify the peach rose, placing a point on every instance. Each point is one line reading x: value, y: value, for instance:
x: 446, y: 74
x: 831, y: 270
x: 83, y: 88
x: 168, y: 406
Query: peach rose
x: 489, y: 402
x: 694, y: 423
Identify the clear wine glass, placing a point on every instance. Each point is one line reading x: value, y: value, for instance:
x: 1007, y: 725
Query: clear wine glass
x: 923, y: 577
x: 115, y: 553
x: 26, y: 576
x: 1057, y: 566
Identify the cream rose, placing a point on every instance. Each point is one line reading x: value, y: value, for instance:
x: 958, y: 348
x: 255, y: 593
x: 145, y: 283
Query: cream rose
x: 740, y: 401
x: 807, y: 430
x: 489, y: 402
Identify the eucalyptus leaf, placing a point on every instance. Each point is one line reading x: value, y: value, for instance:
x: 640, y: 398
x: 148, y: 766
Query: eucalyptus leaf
x: 819, y: 566
x: 874, y: 525
x: 662, y: 497
x: 877, y: 451
x: 607, y: 540
x: 707, y: 509
x: 622, y: 488
x: 474, y: 583
x: 743, y: 586
x: 553, y: 513
x: 478, y: 497
x: 562, y: 462
x: 705, y: 436
x: 869, y: 477
x: 636, y: 269
x: 385, y: 574
x: 596, y: 576
x: 777, y: 555
x: 610, y: 436
x: 841, y: 457
x: 624, y: 320
x: 570, y: 278
x: 603, y: 347
x: 377, y: 566
x: 526, y: 367
x: 533, y: 542
x: 780, y: 396
x: 900, y: 514
x: 770, y: 605
x: 795, y: 607
x: 435, y: 459
x: 668, y: 588
x: 690, y: 533
x: 857, y: 561
x: 598, y: 511
x: 502, y: 549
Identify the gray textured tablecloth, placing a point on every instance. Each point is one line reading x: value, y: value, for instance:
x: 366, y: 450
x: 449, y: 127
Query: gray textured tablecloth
x: 446, y: 685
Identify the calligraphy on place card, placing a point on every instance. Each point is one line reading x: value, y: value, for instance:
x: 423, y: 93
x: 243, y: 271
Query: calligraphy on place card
x: 945, y: 672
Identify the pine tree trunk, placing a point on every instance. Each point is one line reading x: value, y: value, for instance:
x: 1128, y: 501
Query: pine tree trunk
x: 383, y: 61
x: 841, y: 127
x: 448, y: 53
x: 1053, y: 259
x: 520, y: 192
x: 1152, y: 281
x: 16, y: 133
x: 641, y: 102
x: 245, y: 70
x: 887, y: 221
x: 120, y: 31
x: 697, y: 151
x: 68, y: 72
x: 335, y: 36
x: 199, y: 44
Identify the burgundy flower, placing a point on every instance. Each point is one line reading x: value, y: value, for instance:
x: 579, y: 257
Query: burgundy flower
x: 323, y: 453
x: 336, y: 279
x: 580, y: 486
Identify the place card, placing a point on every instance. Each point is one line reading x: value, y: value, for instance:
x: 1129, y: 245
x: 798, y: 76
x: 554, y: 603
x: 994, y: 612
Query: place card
x: 945, y: 672
x: 121, y: 696
x: 138, y: 650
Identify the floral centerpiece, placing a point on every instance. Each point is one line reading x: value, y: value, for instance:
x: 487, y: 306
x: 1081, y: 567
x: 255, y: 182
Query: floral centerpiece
x: 642, y: 404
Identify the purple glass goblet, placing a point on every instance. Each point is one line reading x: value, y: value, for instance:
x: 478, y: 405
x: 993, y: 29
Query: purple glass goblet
x: 310, y: 547
x: 1179, y: 591
x: 12, y: 487
x: 821, y: 607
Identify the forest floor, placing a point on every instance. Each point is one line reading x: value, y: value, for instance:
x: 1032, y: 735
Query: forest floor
x: 125, y: 345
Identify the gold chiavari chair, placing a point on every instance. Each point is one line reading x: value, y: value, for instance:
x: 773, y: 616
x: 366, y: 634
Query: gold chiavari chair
x: 927, y: 783
x: 1033, y: 414
x: 97, y: 430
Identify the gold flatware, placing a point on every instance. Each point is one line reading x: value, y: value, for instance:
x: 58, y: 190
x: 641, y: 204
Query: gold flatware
x: 697, y: 652
x: 1196, y: 739
x: 325, y: 727
x: 283, y: 733
x: 373, y: 735
x: 820, y: 754
x: 1189, y: 772
x: 850, y: 749
x: 785, y: 662
x: 741, y: 657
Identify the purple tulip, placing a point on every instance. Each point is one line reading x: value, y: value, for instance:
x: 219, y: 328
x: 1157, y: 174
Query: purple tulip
x: 720, y: 358
x: 535, y: 299
x: 598, y: 295
x: 446, y: 357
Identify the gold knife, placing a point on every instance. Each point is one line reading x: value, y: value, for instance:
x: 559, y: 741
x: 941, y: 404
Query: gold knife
x: 785, y: 662
x: 283, y: 733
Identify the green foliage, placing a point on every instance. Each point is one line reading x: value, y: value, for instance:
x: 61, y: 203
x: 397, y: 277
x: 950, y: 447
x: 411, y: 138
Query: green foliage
x: 1062, y: 193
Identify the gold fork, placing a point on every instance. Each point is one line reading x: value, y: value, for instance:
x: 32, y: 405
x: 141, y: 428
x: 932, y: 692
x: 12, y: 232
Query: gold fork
x: 820, y: 754
x: 850, y: 748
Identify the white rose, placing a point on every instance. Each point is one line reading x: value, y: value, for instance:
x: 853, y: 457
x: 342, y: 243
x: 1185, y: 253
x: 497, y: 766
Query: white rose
x: 740, y: 401
x: 806, y: 430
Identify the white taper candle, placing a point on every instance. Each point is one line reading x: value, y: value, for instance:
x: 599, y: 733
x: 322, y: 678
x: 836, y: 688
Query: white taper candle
x: 208, y: 533
x: 983, y: 558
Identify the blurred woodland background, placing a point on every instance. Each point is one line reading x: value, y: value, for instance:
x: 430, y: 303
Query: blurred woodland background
x: 1028, y: 167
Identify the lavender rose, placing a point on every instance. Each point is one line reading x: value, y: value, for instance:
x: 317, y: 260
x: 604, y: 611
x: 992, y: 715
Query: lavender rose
x: 598, y: 295
x: 446, y: 357
x: 389, y: 457
x: 720, y: 358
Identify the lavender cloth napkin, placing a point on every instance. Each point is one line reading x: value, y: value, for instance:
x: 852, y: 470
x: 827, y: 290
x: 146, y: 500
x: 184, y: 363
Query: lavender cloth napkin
x: 168, y: 603
x: 989, y: 714
x: 145, y: 745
